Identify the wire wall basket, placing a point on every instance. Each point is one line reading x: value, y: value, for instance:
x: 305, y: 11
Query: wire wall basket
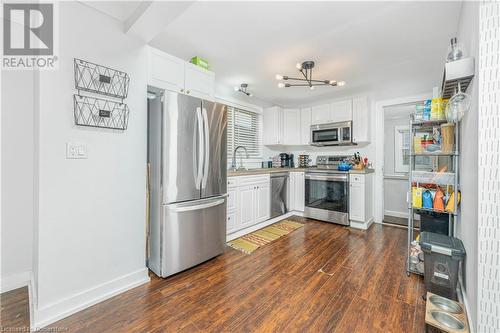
x: 100, y: 79
x: 96, y: 112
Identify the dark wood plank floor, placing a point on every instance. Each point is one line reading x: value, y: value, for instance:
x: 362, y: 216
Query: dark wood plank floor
x: 320, y: 278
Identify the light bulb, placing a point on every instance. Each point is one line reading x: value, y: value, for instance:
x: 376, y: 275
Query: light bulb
x: 311, y: 87
x: 281, y: 85
x: 236, y: 88
x: 333, y: 82
x: 250, y: 94
x: 299, y: 66
x: 279, y: 77
x: 341, y: 83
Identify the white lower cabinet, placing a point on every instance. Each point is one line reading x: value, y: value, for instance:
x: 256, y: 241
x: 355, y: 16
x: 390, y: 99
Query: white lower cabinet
x: 360, y: 200
x: 296, y: 191
x: 248, y: 201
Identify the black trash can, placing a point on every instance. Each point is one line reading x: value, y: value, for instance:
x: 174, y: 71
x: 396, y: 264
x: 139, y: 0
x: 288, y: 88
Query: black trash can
x: 434, y: 222
x: 442, y: 258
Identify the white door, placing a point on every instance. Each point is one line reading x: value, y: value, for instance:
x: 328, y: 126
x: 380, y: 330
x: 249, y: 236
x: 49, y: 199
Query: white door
x: 305, y: 126
x: 342, y: 111
x: 199, y: 82
x: 321, y: 114
x: 357, y: 201
x: 246, y: 206
x: 360, y: 120
x: 272, y: 126
x: 165, y: 71
x: 262, y: 203
x: 291, y: 126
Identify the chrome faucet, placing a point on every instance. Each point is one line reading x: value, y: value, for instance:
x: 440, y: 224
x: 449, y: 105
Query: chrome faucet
x: 233, y: 163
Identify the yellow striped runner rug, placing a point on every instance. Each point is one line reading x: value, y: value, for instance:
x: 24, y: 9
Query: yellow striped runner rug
x: 252, y: 241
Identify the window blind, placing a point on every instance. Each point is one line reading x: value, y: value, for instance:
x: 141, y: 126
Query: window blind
x: 243, y: 129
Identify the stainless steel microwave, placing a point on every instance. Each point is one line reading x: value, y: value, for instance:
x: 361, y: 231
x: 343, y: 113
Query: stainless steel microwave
x: 332, y: 134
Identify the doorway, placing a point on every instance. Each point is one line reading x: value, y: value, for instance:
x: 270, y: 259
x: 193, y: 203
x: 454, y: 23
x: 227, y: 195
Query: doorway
x: 396, y: 163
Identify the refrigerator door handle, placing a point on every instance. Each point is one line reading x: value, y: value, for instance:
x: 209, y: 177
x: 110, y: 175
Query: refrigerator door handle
x: 206, y: 160
x: 201, y: 148
x: 186, y: 208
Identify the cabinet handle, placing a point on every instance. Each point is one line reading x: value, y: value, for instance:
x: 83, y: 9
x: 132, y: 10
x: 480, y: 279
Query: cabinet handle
x: 188, y: 91
x: 182, y: 90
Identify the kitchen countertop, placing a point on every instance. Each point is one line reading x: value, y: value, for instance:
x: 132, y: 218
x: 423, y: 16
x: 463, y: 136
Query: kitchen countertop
x: 251, y: 172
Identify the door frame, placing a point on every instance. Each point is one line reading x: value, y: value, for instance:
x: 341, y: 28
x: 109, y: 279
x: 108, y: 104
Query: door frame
x: 378, y: 188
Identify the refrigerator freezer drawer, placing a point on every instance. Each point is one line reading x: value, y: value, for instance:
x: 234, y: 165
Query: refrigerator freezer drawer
x: 193, y: 232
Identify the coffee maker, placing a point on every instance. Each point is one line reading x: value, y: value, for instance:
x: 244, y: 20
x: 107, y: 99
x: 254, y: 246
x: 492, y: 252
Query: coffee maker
x: 286, y: 160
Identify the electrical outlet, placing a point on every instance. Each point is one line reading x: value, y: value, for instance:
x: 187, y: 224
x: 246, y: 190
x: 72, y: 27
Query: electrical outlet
x: 76, y: 150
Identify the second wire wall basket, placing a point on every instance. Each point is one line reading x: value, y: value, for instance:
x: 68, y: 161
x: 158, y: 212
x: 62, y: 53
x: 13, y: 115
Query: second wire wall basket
x: 98, y: 112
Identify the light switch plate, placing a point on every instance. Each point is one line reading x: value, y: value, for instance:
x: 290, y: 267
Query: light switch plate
x: 76, y: 150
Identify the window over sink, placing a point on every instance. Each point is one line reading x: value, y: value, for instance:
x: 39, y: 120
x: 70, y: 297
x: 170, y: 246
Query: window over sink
x: 244, y: 129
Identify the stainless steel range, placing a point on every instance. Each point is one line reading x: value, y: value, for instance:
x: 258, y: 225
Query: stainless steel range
x: 327, y: 191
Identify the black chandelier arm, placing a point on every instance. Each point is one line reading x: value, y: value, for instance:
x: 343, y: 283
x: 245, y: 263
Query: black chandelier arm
x: 300, y: 79
x: 305, y: 85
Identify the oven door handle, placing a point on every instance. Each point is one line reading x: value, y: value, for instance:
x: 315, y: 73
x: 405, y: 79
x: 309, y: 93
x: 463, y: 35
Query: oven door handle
x: 323, y: 177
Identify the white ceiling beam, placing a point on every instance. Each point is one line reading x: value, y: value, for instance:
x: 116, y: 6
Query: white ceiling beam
x: 152, y: 17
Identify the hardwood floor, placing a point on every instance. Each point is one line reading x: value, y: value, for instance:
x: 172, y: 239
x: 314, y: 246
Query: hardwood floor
x: 320, y: 278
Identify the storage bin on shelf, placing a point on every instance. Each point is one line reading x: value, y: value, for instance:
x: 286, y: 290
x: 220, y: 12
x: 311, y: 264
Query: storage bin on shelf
x: 430, y: 177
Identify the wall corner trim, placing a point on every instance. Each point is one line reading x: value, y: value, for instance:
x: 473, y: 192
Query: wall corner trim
x: 82, y: 300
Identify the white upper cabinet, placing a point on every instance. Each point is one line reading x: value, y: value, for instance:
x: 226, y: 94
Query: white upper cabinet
x: 321, y: 114
x: 168, y: 72
x: 273, y: 126
x: 165, y: 71
x: 360, y: 120
x: 199, y: 82
x: 291, y: 126
x: 305, y: 126
x: 341, y: 111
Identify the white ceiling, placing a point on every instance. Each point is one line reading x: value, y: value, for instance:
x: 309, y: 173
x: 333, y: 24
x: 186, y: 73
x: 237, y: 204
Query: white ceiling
x: 120, y: 10
x: 382, y: 47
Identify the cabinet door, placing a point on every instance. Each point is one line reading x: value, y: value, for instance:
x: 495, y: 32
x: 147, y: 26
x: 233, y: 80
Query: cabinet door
x: 321, y: 114
x: 299, y: 191
x: 245, y: 205
x: 291, y: 126
x: 232, y: 222
x: 199, y: 82
x: 305, y: 126
x: 357, y: 202
x: 231, y: 199
x: 262, y: 203
x: 165, y: 71
x: 272, y: 126
x: 342, y: 111
x: 291, y: 191
x: 360, y: 120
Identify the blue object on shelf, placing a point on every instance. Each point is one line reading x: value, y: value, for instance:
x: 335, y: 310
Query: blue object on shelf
x: 427, y: 199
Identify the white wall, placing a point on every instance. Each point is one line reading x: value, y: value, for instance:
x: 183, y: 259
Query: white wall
x: 17, y: 178
x: 91, y: 218
x: 468, y: 35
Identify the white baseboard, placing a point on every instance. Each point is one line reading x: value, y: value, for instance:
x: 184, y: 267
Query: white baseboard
x: 396, y: 214
x: 15, y: 281
x: 77, y: 302
x: 361, y: 225
x: 248, y: 230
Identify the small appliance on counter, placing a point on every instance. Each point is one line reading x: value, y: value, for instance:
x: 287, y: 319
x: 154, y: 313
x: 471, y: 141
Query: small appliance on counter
x: 286, y: 160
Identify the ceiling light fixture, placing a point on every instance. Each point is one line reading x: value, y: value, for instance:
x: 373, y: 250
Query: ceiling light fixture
x: 306, y: 69
x: 243, y: 89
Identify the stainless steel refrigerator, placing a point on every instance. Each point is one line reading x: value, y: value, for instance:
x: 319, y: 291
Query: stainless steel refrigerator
x: 188, y: 166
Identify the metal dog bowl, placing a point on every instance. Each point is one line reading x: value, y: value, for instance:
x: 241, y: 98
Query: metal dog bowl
x: 447, y: 320
x: 445, y: 304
